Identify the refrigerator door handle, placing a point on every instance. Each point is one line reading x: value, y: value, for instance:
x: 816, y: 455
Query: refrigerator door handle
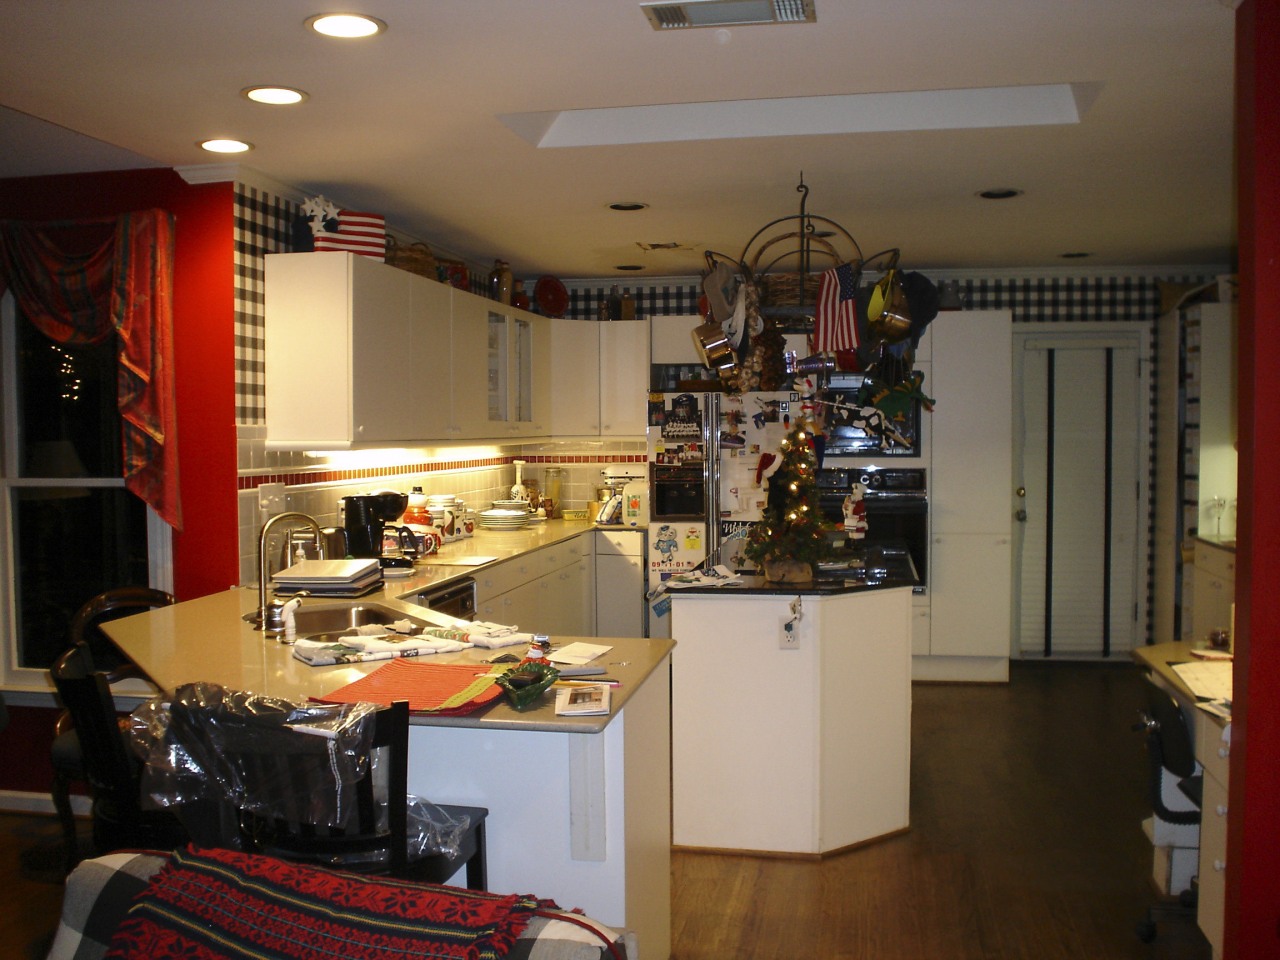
x: 711, y: 472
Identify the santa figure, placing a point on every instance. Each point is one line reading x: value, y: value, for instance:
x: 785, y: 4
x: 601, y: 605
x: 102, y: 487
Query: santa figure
x: 855, y: 512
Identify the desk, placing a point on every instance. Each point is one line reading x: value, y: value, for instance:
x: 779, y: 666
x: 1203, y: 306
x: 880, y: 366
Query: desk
x: 1212, y: 738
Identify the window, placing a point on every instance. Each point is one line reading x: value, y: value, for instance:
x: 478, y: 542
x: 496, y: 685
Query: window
x: 70, y: 529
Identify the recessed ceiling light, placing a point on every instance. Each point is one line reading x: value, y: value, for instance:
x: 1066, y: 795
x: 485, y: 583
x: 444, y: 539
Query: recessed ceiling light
x: 345, y: 25
x: 629, y: 266
x: 627, y: 206
x: 274, y: 95
x: 219, y: 145
x: 1000, y: 193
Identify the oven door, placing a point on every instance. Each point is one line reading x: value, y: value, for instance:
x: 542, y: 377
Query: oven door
x: 902, y: 520
x: 677, y: 493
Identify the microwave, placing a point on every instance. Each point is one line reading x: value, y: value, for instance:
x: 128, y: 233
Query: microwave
x: 677, y: 492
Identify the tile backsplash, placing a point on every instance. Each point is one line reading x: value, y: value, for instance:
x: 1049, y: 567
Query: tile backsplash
x: 314, y: 483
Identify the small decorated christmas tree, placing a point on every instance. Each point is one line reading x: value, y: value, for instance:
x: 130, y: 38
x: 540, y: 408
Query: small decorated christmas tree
x: 792, y: 534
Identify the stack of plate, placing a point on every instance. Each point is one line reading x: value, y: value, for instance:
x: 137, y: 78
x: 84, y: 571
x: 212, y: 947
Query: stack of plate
x: 511, y: 505
x: 503, y: 519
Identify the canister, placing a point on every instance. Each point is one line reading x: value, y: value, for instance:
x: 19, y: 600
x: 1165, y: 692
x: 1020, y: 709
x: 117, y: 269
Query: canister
x: 443, y: 518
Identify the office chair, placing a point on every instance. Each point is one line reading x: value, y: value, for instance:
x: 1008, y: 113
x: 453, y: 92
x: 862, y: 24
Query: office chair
x: 293, y: 794
x: 112, y: 772
x: 66, y: 755
x: 1170, y: 754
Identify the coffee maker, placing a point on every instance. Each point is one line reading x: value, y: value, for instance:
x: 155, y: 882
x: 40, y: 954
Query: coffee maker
x: 365, y: 518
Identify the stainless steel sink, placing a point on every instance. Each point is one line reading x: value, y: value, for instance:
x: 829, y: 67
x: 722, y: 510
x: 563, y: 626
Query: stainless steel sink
x: 335, y: 618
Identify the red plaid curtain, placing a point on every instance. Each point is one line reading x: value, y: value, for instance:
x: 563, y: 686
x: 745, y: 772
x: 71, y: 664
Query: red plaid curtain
x: 123, y: 283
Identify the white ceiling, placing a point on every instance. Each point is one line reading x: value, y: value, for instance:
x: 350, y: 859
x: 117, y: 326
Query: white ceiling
x: 419, y: 122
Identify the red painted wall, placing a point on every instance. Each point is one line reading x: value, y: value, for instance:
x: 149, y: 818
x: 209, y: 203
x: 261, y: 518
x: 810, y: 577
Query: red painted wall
x: 1253, y: 822
x: 206, y: 552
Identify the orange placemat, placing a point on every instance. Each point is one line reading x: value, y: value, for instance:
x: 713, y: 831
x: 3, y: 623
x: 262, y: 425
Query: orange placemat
x: 447, y: 689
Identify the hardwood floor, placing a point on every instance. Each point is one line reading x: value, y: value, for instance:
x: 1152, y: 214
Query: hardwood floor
x: 1025, y: 842
x: 1026, y: 805
x: 31, y: 861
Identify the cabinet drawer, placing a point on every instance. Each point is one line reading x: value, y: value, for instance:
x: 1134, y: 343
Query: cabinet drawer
x: 498, y: 578
x: 1212, y: 750
x: 1215, y: 561
x: 620, y: 543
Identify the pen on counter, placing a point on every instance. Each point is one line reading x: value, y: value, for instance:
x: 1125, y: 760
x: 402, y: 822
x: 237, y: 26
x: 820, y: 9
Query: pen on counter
x: 575, y: 682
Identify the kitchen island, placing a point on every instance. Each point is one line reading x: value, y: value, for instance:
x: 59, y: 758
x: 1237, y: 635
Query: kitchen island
x: 791, y: 740
x: 579, y: 808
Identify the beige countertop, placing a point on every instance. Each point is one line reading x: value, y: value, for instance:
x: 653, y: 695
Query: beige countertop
x: 455, y: 559
x: 207, y: 639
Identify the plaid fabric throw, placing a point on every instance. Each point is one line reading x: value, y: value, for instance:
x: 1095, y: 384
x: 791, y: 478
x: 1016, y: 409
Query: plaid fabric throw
x: 225, y: 905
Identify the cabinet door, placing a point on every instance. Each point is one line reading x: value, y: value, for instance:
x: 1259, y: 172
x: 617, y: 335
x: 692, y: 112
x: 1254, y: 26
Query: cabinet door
x: 971, y: 429
x: 1211, y: 901
x: 624, y: 378
x: 575, y: 378
x: 477, y: 369
x: 619, y: 596
x: 427, y: 383
x: 381, y: 342
x: 529, y: 372
x: 970, y: 583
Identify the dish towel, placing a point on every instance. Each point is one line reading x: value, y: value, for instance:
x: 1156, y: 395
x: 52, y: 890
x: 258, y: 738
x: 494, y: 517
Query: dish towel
x: 323, y: 653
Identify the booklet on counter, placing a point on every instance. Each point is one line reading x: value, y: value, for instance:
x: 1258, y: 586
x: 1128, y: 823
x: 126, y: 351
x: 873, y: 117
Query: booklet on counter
x: 582, y: 700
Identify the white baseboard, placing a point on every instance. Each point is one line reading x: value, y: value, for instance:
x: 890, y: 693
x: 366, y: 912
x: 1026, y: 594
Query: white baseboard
x: 960, y: 669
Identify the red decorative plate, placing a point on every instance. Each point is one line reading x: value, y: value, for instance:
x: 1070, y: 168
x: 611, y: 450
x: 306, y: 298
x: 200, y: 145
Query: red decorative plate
x: 551, y: 296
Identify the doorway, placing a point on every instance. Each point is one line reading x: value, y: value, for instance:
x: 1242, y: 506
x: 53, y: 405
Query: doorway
x: 1081, y: 465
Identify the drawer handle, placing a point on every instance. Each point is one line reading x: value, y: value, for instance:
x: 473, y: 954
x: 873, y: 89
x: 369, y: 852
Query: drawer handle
x: 1221, y: 809
x: 1219, y: 865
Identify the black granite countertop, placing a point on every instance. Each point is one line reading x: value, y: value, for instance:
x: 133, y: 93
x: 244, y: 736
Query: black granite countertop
x: 861, y: 567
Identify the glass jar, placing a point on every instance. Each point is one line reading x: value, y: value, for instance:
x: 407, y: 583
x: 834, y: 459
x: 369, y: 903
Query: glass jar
x: 552, y: 481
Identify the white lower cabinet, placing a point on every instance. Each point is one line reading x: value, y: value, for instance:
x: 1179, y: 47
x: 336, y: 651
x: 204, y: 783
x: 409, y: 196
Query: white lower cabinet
x: 551, y: 590
x: 970, y: 582
x: 620, y: 603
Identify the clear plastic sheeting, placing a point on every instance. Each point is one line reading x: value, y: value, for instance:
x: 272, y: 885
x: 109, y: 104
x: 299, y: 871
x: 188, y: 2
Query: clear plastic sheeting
x: 211, y: 751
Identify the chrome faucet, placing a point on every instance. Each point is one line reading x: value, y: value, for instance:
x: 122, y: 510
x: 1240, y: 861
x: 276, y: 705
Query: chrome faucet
x: 269, y: 617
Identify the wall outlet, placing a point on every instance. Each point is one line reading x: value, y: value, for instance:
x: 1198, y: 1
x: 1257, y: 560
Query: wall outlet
x: 789, y: 635
x: 271, y: 500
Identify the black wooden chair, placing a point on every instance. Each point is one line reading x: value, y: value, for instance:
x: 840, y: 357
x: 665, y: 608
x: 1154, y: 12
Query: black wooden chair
x: 66, y: 755
x: 281, y: 783
x: 112, y: 771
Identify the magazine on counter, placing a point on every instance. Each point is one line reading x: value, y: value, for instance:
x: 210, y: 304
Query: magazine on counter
x: 582, y: 700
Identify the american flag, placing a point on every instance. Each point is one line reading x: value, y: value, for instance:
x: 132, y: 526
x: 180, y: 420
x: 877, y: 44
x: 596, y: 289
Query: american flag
x: 833, y: 321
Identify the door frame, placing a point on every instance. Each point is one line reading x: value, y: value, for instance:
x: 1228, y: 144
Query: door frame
x: 1141, y: 336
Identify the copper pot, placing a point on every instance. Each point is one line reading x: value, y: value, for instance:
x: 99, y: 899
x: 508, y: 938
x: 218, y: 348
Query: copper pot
x: 713, y: 347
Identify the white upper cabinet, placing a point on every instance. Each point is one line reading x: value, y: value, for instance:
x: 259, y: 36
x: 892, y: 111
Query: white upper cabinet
x: 342, y: 339
x: 600, y: 376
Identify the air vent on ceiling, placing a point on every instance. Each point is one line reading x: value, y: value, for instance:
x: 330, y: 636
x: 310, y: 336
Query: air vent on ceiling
x: 727, y: 13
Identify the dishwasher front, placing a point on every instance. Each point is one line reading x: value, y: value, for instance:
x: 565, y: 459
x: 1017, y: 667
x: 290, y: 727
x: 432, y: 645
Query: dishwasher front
x: 457, y: 598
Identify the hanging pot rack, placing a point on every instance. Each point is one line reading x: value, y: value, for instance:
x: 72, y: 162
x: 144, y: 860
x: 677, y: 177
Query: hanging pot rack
x: 807, y: 236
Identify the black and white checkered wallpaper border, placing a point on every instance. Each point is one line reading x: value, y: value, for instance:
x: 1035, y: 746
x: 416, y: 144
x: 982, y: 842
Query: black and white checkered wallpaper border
x: 263, y: 225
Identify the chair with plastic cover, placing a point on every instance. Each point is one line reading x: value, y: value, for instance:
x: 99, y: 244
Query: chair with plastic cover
x: 317, y: 783
x: 66, y: 755
x: 112, y: 771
